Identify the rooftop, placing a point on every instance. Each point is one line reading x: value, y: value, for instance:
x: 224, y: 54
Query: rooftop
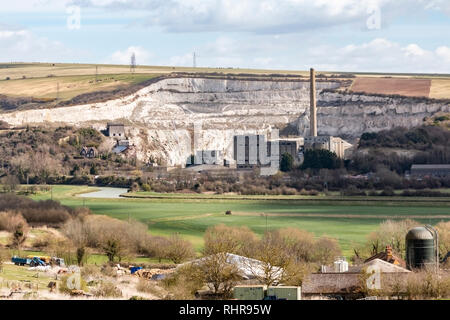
x: 430, y: 166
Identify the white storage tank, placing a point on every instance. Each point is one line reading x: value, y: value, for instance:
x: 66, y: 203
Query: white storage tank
x: 340, y: 265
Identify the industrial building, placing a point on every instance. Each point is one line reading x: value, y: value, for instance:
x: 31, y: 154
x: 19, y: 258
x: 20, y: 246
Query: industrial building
x: 292, y: 146
x: 315, y: 142
x: 208, y: 157
x: 430, y: 170
x: 253, y: 151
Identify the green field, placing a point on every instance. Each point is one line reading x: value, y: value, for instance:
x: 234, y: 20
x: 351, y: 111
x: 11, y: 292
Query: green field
x: 67, y: 80
x: 348, y: 221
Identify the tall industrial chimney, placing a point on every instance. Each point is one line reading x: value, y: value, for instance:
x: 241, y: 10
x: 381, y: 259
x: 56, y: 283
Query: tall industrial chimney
x: 313, y: 106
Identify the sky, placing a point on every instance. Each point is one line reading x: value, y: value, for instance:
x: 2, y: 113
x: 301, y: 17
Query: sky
x: 411, y: 36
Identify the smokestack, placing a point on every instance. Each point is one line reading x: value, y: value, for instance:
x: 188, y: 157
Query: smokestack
x: 313, y: 106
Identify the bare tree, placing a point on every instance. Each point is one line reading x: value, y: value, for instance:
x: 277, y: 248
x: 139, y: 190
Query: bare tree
x: 391, y: 233
x: 443, y: 229
x: 275, y: 259
x: 218, y: 273
x: 222, y: 238
x: 10, y: 183
x: 326, y: 250
x: 178, y: 249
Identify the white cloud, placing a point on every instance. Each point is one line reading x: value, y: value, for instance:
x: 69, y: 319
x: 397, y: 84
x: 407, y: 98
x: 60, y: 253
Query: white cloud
x: 413, y: 50
x: 444, y: 53
x: 124, y: 57
x: 262, y: 16
x: 382, y: 55
x: 22, y: 45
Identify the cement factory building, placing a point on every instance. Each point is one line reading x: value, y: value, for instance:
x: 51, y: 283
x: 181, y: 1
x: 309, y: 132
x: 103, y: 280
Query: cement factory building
x: 250, y: 150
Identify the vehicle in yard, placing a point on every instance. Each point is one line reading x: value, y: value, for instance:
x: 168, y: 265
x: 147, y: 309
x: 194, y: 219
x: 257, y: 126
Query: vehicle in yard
x: 20, y: 261
x: 33, y: 262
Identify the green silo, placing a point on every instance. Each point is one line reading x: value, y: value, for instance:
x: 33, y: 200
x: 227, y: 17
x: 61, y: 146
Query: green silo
x: 420, y: 248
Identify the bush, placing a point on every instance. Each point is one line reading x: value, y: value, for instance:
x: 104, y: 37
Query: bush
x: 388, y: 192
x: 107, y: 289
x: 320, y: 159
x: 183, y: 284
x: 222, y: 238
x: 43, y: 242
x: 287, y: 162
x: 178, y: 250
x: 10, y: 220
x: 4, y: 256
x: 90, y: 271
x: 40, y: 212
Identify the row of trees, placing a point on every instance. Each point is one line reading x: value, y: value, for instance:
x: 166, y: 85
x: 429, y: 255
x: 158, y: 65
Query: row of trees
x: 119, y: 239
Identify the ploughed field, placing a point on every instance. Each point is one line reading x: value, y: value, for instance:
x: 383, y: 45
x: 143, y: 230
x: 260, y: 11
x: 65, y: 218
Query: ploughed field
x: 349, y: 221
x: 401, y: 86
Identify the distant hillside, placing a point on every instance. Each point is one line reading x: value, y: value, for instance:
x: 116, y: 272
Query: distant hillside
x: 38, y: 153
x: 399, y: 148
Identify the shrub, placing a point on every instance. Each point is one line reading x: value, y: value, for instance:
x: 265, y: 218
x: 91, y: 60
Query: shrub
x: 44, y: 211
x: 287, y: 162
x: 107, y: 289
x: 9, y: 221
x: 90, y: 271
x: 222, y: 238
x: 178, y: 250
x: 183, y: 284
x: 19, y: 235
x: 4, y: 256
x: 320, y: 159
x: 42, y: 242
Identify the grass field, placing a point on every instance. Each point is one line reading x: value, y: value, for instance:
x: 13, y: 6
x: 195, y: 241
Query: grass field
x: 69, y: 86
x: 348, y: 221
x: 40, y: 80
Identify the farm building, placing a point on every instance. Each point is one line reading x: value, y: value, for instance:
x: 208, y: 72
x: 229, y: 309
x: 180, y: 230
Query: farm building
x: 347, y: 285
x: 89, y: 152
x: 116, y: 130
x: 430, y: 170
x: 248, y: 268
x: 388, y: 256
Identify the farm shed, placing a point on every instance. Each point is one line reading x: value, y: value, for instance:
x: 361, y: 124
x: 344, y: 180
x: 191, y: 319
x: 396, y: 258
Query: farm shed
x: 430, y: 170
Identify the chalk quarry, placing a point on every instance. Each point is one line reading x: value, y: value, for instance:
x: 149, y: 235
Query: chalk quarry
x: 160, y: 118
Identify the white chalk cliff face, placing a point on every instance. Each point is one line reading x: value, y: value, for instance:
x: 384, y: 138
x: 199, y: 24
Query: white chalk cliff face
x: 160, y: 118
